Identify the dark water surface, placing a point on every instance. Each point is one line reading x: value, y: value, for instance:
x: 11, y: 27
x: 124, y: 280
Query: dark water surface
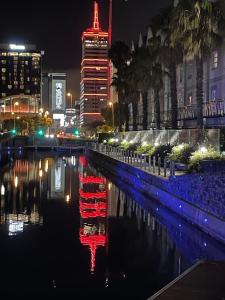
x: 67, y: 228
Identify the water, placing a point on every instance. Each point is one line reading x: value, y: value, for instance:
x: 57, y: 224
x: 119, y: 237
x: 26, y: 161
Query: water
x: 67, y: 228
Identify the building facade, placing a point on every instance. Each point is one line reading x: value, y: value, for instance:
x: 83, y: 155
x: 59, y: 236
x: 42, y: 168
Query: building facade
x: 213, y: 93
x: 94, y: 85
x: 20, y: 78
x: 54, y: 96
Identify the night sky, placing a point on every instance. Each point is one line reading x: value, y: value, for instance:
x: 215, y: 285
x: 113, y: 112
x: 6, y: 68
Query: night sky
x: 56, y: 28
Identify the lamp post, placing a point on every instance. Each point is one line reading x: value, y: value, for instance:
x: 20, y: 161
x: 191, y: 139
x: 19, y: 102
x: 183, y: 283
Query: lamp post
x: 13, y: 113
x: 71, y: 98
x: 112, y: 106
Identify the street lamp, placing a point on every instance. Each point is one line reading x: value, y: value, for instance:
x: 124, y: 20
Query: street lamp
x: 71, y: 98
x: 112, y: 106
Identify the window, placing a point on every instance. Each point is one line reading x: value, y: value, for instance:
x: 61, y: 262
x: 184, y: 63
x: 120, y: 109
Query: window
x: 3, y: 70
x: 215, y: 59
x: 213, y: 93
x: 181, y: 75
x: 189, y: 102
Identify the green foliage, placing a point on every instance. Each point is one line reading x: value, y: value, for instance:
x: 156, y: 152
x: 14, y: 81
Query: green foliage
x: 162, y: 151
x: 181, y: 153
x: 145, y: 149
x: 129, y: 146
x: 198, y: 156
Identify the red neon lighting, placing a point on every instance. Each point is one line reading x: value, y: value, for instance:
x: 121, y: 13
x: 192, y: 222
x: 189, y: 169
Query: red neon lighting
x: 97, y: 206
x: 93, y: 241
x: 94, y: 59
x: 94, y: 78
x: 92, y: 179
x: 93, y: 214
x: 96, y: 21
x: 96, y: 195
x: 82, y: 160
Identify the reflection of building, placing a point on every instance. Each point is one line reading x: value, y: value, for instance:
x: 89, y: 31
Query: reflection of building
x: 93, y: 210
x: 20, y: 77
x: 58, y: 180
x: 54, y: 96
x: 20, y: 192
x: 94, y: 72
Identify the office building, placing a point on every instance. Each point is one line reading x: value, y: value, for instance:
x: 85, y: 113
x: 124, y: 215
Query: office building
x: 20, y: 78
x: 94, y: 85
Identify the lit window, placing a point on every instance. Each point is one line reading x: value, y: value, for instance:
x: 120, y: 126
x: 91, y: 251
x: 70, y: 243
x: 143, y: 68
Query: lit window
x: 9, y: 86
x: 189, y: 100
x: 3, y: 70
x: 215, y: 59
x: 213, y: 93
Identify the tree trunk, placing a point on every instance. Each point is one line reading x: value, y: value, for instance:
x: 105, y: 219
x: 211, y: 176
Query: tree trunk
x: 199, y: 91
x: 157, y: 109
x: 145, y: 110
x: 173, y: 92
x: 126, y: 111
x: 134, y: 109
x: 120, y: 107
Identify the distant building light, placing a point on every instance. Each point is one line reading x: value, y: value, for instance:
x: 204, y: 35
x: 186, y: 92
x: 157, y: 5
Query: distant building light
x: 16, y: 47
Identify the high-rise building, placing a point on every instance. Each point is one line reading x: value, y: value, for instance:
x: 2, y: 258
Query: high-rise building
x: 54, y: 96
x: 20, y: 78
x: 94, y: 85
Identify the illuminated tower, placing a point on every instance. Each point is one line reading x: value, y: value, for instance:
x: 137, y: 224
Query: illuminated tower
x: 94, y: 72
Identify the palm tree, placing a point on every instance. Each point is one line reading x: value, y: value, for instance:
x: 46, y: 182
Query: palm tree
x: 196, y: 25
x: 142, y: 71
x: 154, y: 45
x: 120, y: 54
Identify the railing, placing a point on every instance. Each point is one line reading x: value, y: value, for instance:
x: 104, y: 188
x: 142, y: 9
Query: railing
x: 151, y: 164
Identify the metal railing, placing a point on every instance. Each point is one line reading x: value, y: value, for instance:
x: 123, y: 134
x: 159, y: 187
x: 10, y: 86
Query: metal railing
x: 152, y: 164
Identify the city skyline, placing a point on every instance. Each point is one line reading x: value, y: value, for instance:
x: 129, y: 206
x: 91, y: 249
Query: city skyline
x: 59, y: 33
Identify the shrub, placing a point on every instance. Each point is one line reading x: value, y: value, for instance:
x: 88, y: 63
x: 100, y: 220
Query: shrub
x: 161, y: 151
x: 181, y: 153
x: 129, y: 146
x: 200, y: 155
x: 145, y: 149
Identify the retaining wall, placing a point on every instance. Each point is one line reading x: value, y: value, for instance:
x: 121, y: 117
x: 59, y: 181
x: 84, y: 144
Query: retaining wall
x: 199, y: 198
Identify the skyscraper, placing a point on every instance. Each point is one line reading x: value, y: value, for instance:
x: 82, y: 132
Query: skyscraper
x: 94, y: 85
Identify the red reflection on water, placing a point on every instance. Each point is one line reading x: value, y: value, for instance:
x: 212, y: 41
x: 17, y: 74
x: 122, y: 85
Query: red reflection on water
x: 93, y: 210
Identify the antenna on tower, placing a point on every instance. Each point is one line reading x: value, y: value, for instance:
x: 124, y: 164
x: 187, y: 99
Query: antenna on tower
x: 96, y: 20
x: 110, y: 23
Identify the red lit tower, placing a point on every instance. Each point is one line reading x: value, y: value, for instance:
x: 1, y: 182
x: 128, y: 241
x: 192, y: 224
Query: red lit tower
x: 93, y: 210
x: 94, y: 83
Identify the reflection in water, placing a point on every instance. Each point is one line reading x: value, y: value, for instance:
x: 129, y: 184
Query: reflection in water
x: 20, y: 205
x: 62, y: 214
x: 93, y: 209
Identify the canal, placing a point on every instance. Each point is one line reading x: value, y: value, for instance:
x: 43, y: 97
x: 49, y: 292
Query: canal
x: 67, y: 227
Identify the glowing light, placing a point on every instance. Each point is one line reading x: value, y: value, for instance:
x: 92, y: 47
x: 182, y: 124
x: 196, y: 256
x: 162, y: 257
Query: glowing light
x: 93, y: 94
x: 46, y: 165
x: 144, y: 144
x: 16, y: 47
x: 16, y: 181
x: 91, y: 113
x: 40, y: 173
x: 109, y: 186
x: 2, y: 190
x: 203, y: 149
x: 89, y: 195
x: 156, y: 144
x: 92, y: 179
x: 67, y: 198
x: 181, y: 146
x: 131, y: 142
